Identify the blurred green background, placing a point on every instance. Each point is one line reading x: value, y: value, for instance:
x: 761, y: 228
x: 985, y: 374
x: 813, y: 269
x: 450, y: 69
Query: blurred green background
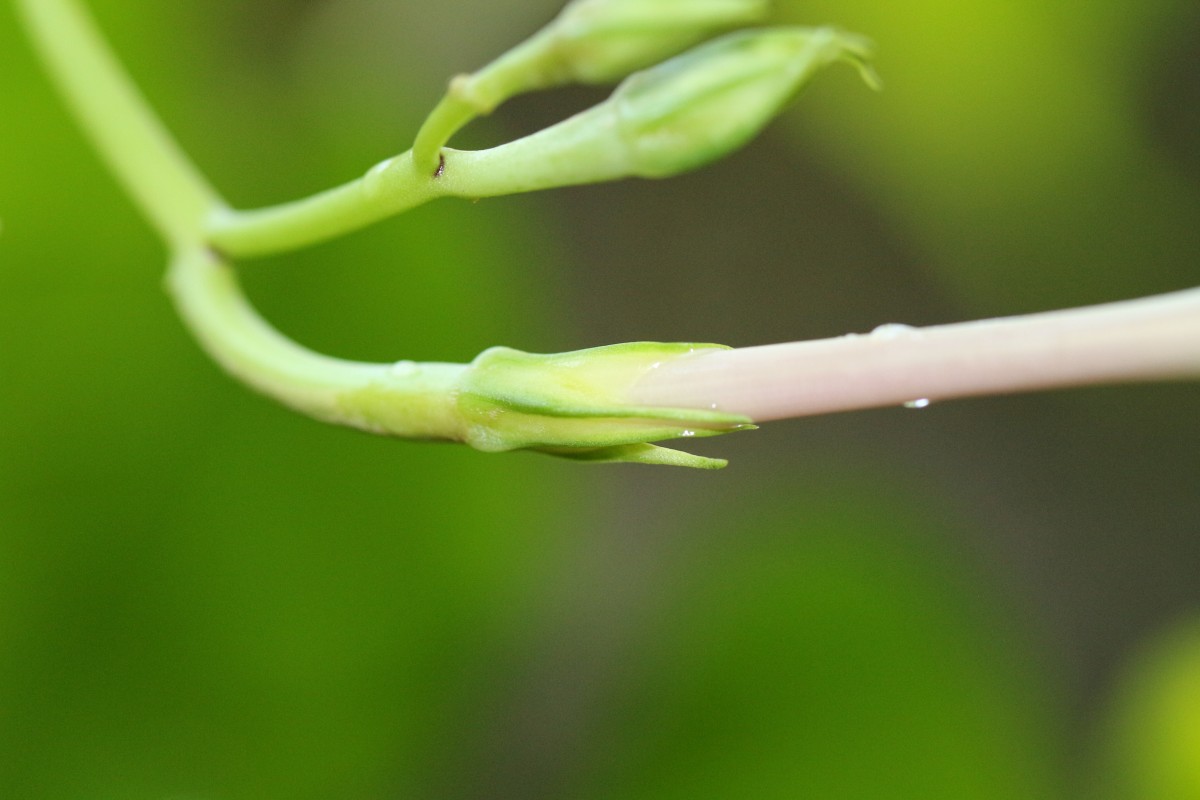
x: 205, y: 596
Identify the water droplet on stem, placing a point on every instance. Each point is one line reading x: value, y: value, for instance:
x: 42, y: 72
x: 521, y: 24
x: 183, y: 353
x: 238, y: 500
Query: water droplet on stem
x: 892, y: 330
x: 402, y: 369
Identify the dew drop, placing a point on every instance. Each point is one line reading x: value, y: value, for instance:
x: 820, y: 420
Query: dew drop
x: 919, y: 403
x: 892, y: 330
x: 402, y: 369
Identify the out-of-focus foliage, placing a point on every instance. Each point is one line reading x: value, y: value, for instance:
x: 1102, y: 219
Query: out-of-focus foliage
x: 1155, y: 735
x: 802, y: 655
x: 1016, y: 141
x: 202, y: 595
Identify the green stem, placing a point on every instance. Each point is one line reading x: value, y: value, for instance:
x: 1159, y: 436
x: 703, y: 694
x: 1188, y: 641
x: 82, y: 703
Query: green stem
x: 573, y: 152
x: 404, y: 399
x: 569, y: 404
x: 450, y: 115
x: 137, y: 147
x: 529, y: 66
x: 389, y: 188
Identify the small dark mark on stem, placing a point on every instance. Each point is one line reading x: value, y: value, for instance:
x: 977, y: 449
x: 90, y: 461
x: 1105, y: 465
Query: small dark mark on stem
x: 215, y: 254
x: 441, y: 168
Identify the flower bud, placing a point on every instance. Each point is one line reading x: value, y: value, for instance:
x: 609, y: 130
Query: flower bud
x: 710, y: 101
x: 599, y: 41
x: 681, y: 114
x: 590, y: 41
x: 572, y: 405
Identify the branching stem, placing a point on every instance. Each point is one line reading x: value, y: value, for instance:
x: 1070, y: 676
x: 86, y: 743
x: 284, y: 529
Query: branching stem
x: 602, y: 404
x: 556, y: 156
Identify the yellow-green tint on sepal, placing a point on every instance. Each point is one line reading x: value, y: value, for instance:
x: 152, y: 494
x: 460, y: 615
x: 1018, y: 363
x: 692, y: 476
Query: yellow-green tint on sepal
x: 702, y: 105
x: 573, y: 404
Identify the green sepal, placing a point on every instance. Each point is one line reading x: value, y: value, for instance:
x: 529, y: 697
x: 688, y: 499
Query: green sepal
x: 575, y: 405
x: 640, y: 454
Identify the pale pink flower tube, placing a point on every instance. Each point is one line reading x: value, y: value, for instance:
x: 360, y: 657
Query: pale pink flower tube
x: 1154, y: 338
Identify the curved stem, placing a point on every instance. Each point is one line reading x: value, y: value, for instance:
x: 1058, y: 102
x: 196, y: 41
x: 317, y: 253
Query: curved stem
x: 581, y: 149
x: 1155, y: 338
x: 389, y: 188
x: 167, y: 187
x: 403, y: 399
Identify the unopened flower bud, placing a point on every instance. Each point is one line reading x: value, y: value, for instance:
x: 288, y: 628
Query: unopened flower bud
x: 710, y: 101
x: 590, y: 41
x: 573, y: 404
x: 681, y: 114
x: 599, y: 41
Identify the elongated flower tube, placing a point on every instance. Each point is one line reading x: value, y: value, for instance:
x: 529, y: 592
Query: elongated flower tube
x: 590, y: 42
